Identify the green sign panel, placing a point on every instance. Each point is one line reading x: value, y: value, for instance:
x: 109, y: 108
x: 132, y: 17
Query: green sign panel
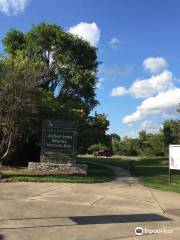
x: 59, y: 140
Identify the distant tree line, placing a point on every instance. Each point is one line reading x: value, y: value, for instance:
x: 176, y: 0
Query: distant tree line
x: 149, y: 144
x: 146, y: 144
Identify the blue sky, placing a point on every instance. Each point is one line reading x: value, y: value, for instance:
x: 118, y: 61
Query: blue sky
x: 138, y: 44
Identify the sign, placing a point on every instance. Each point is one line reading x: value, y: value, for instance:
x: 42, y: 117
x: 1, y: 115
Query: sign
x: 174, y: 157
x: 59, y: 140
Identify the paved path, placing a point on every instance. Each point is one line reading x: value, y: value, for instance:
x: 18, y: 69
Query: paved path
x: 105, y: 211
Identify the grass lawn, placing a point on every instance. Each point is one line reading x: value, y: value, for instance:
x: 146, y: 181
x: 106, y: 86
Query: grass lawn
x: 151, y: 171
x: 96, y: 174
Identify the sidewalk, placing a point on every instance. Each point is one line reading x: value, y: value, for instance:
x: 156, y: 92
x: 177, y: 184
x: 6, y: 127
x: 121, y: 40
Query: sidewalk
x: 103, y: 211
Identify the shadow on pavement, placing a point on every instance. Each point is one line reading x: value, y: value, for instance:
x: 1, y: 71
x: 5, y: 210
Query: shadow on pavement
x: 89, y: 220
x: 2, y: 237
x: 105, y: 219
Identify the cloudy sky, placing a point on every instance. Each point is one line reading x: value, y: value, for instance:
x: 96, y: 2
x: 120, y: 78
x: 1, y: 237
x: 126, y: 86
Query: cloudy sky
x: 138, y: 44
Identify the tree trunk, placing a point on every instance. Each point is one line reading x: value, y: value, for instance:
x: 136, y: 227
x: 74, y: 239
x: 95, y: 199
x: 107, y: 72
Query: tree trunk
x: 8, y: 148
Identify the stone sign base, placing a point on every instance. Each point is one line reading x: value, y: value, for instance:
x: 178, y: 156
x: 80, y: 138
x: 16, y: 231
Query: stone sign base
x: 53, y: 168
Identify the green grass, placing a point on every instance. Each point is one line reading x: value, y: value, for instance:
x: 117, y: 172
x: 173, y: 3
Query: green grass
x: 150, y: 171
x: 157, y: 177
x: 96, y: 174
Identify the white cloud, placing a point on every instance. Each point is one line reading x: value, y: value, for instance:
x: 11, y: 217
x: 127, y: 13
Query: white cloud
x: 12, y: 7
x: 155, y: 65
x: 153, y: 85
x: 147, y: 87
x: 118, y: 91
x: 150, y: 126
x: 134, y: 117
x: 88, y: 31
x: 114, y: 41
x: 164, y: 103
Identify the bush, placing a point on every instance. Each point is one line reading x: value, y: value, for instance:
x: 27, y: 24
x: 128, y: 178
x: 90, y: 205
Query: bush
x: 97, y: 147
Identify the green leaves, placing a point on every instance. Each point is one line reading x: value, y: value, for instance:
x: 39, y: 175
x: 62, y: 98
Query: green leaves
x: 13, y: 41
x: 20, y: 81
x: 71, y: 61
x: 171, y: 132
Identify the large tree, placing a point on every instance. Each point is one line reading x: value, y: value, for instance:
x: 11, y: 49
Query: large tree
x: 71, y: 62
x: 68, y: 84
